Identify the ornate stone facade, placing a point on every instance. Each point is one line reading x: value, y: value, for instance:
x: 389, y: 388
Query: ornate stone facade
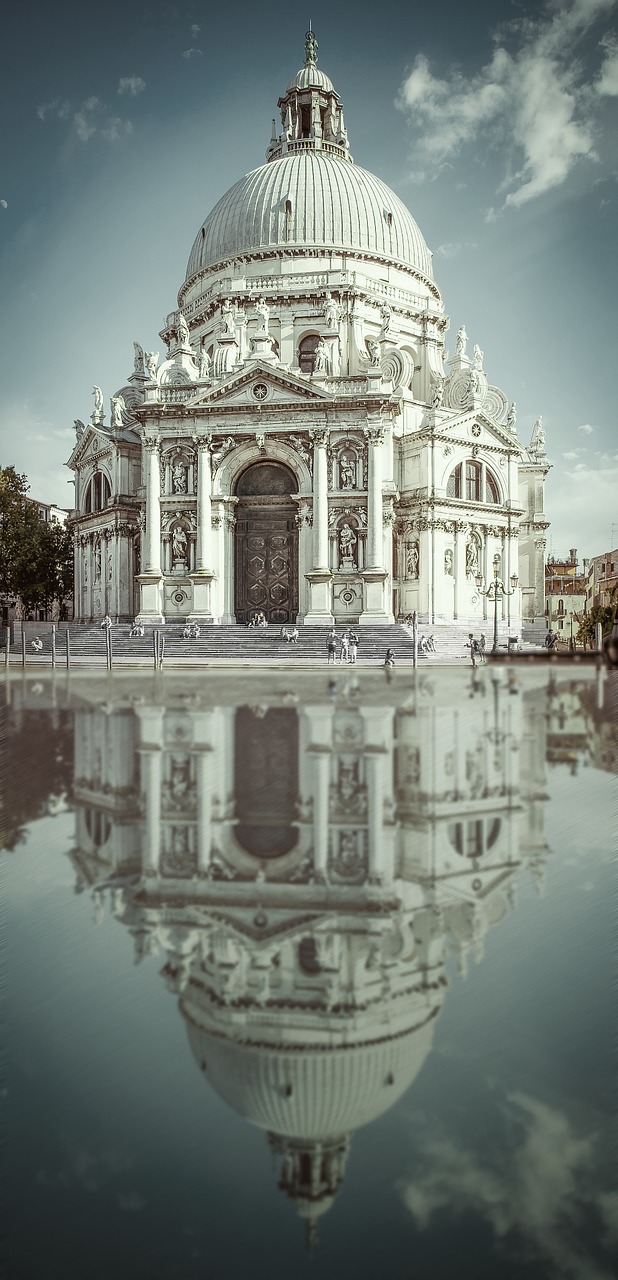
x: 309, y: 337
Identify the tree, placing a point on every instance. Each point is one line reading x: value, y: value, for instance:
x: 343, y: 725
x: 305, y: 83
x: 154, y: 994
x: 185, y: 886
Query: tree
x: 36, y: 558
x: 599, y: 613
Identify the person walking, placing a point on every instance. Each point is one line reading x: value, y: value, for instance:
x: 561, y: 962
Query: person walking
x: 344, y: 652
x: 331, y: 647
x: 353, y: 646
x: 482, y: 647
x: 472, y: 645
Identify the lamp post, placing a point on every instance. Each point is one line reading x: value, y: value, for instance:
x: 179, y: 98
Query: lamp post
x: 495, y: 591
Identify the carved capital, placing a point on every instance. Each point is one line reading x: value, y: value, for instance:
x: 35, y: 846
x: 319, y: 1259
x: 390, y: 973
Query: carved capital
x: 375, y: 435
x: 320, y: 437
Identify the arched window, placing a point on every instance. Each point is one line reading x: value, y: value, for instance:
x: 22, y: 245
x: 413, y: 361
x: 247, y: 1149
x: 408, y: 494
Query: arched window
x: 98, y: 492
x: 466, y: 481
x: 306, y: 352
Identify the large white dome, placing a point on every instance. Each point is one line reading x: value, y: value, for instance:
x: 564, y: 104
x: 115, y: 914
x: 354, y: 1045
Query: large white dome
x: 315, y: 199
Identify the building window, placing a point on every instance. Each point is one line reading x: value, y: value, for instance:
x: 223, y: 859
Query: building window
x: 466, y: 481
x: 306, y: 352
x: 98, y: 492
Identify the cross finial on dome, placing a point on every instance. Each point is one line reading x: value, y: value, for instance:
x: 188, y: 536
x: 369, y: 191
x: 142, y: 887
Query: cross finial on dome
x: 311, y: 48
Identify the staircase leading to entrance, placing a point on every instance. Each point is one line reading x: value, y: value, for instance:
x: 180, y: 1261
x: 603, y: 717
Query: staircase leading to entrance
x: 226, y: 644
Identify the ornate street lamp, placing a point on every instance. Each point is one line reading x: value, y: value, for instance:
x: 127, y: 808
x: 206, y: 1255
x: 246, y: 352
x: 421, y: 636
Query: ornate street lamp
x: 495, y: 591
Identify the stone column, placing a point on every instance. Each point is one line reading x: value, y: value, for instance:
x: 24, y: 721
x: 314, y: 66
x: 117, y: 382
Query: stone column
x: 151, y: 586
x: 320, y: 728
x: 153, y: 508
x: 376, y: 608
x: 319, y: 579
x: 203, y: 575
x: 377, y: 753
x: 203, y: 762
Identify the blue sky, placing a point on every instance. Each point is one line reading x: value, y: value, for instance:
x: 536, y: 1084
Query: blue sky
x: 494, y: 122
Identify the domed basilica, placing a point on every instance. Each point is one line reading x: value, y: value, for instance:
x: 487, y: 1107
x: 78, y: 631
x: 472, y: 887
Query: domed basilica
x: 307, y: 446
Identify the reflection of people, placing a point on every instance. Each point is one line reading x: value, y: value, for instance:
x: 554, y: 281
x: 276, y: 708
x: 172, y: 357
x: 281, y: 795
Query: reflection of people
x: 179, y: 542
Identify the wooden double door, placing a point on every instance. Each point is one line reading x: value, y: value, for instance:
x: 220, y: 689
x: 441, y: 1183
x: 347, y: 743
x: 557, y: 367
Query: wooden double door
x: 266, y: 571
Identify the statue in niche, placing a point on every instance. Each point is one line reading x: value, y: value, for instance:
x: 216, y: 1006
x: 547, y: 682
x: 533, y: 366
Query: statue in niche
x: 460, y: 341
x: 228, y: 317
x: 179, y: 777
x: 348, y: 861
x: 347, y: 471
x: 477, y: 360
x: 110, y: 567
x: 511, y: 417
x: 204, y: 364
x: 448, y: 561
x: 373, y: 347
x: 347, y: 543
x: 437, y: 390
x: 472, y: 557
x: 97, y: 562
x: 412, y: 560
x: 179, y: 478
x: 182, y: 330
x: 263, y: 311
x: 138, y: 358
x: 117, y: 409
x: 179, y: 544
x: 97, y: 415
x: 332, y: 311
x: 152, y: 363
x: 320, y: 364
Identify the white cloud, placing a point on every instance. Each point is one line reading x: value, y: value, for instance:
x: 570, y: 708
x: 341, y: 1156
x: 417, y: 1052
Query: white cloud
x: 541, y: 1190
x: 192, y: 53
x: 91, y: 117
x: 572, y: 455
x: 586, y: 429
x: 451, y: 250
x: 531, y: 100
x: 131, y: 85
x: 582, y: 502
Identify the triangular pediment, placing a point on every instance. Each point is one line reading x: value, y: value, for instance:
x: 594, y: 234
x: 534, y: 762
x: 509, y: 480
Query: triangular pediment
x: 476, y: 428
x: 259, y: 385
x: 92, y: 444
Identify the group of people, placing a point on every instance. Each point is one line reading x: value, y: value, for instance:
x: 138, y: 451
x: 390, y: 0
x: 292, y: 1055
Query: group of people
x: 477, y: 648
x: 348, y: 642
x: 191, y: 631
x: 426, y: 644
x: 257, y: 619
x: 137, y: 630
x: 551, y: 640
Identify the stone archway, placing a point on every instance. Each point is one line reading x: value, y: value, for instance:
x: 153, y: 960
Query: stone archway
x: 266, y: 552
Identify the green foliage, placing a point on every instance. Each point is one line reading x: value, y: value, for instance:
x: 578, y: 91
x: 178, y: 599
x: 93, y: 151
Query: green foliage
x: 599, y: 613
x: 37, y: 768
x: 36, y: 558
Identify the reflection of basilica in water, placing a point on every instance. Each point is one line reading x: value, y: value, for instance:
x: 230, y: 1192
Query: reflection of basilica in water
x: 307, y: 870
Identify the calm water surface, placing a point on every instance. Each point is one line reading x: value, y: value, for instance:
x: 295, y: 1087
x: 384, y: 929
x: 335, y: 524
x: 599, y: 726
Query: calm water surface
x: 310, y: 980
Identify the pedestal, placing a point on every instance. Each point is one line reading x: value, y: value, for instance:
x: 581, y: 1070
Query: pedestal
x: 201, y: 611
x: 376, y: 611
x: 262, y: 348
x: 320, y: 605
x: 151, y: 598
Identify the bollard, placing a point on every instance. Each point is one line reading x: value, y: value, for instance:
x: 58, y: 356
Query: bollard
x: 7, y: 652
x: 414, y: 638
x: 53, y: 645
x: 161, y: 650
x: 155, y: 648
x: 598, y: 636
x: 108, y: 648
x: 23, y: 647
x: 67, y: 636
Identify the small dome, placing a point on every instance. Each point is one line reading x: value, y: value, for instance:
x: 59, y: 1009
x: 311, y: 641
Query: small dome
x: 310, y: 77
x: 313, y: 199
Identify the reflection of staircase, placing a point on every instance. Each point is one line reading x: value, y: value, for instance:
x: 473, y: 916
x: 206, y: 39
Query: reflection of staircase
x: 228, y: 645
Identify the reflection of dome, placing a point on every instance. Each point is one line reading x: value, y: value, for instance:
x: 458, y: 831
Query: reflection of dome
x: 310, y: 198
x: 311, y: 1093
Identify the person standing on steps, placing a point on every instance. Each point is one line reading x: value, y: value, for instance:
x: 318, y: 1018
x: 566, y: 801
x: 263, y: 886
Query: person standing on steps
x: 344, y: 652
x: 472, y: 645
x: 353, y: 646
x: 331, y: 647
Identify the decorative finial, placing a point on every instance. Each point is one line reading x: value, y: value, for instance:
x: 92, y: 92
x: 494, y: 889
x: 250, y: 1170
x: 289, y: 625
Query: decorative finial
x: 311, y: 48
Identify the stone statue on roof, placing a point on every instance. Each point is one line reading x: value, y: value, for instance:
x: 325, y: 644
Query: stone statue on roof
x: 311, y: 48
x: 537, y: 442
x: 460, y: 341
x: 97, y: 414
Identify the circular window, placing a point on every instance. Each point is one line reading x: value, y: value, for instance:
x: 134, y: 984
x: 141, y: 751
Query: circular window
x: 475, y: 429
x: 259, y: 391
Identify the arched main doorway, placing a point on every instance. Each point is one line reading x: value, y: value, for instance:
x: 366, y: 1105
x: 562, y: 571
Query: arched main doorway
x: 266, y: 570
